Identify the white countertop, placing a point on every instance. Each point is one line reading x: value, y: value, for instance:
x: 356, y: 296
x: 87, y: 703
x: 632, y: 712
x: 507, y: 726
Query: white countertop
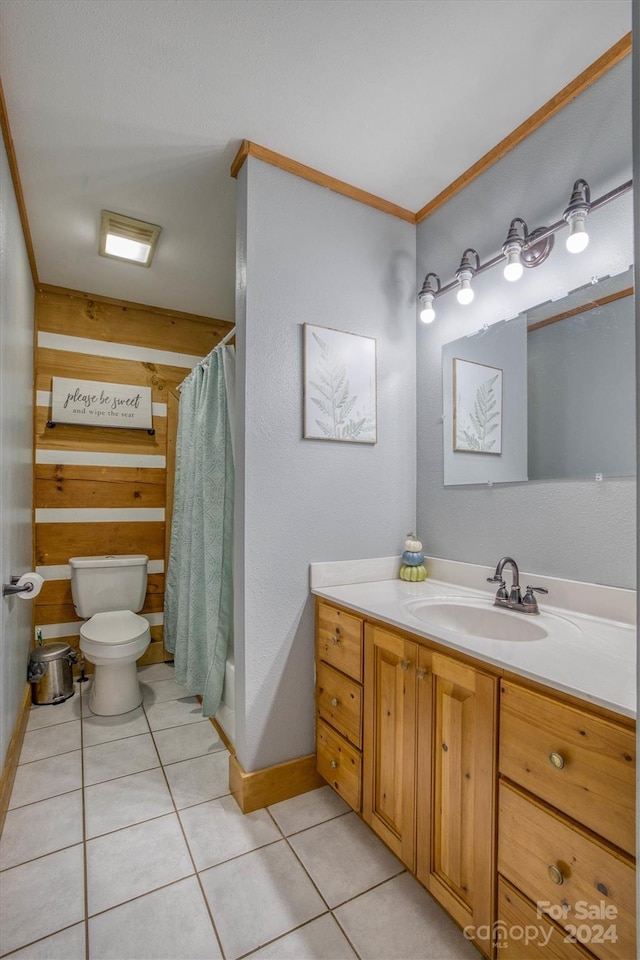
x: 587, y: 656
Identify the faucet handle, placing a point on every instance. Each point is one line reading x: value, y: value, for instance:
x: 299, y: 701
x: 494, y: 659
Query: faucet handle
x: 529, y: 600
x: 531, y: 589
x: 502, y: 596
x: 495, y: 579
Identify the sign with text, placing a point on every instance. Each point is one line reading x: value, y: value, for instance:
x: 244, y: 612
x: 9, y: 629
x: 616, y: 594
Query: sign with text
x: 98, y: 404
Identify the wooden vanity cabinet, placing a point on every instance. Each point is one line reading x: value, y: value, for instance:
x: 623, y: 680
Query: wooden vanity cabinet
x: 429, y: 769
x: 566, y: 820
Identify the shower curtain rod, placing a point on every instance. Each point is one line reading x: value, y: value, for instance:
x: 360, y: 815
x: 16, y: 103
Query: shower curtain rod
x: 206, y: 359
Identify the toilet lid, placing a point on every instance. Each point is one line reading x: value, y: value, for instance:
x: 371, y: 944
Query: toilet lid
x: 115, y: 626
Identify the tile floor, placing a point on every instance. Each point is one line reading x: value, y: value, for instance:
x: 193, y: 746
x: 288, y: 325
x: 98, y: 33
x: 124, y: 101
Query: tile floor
x: 123, y: 843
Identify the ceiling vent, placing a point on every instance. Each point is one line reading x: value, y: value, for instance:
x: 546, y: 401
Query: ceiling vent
x: 122, y: 238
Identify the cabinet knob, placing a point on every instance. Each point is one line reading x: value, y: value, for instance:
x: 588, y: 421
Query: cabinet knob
x: 556, y: 760
x: 405, y: 664
x: 334, y: 701
x: 555, y: 874
x: 335, y: 640
x: 420, y: 673
x: 334, y: 766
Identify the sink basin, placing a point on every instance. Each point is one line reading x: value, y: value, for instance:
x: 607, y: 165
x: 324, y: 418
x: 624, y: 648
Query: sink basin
x: 476, y: 618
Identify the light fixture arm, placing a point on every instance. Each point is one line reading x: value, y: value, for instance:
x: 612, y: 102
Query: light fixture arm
x: 536, y: 244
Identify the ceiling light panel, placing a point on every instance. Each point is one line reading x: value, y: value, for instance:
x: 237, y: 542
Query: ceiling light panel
x: 126, y: 239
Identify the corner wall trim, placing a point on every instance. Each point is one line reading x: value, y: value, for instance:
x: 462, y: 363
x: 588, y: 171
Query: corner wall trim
x: 261, y: 788
x: 13, y: 754
x: 17, y: 185
x: 249, y: 149
x: 597, y: 69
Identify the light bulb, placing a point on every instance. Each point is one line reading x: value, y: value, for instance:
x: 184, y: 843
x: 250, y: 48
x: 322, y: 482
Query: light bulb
x: 513, y: 268
x: 465, y: 293
x: 428, y: 314
x: 578, y: 239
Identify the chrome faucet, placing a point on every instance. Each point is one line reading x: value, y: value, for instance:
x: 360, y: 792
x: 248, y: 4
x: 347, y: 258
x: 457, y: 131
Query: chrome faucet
x: 513, y: 599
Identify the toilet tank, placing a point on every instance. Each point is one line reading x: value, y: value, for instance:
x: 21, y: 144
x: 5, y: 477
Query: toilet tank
x: 101, y: 584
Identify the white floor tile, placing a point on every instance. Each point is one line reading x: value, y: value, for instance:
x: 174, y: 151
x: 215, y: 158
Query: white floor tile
x: 128, y: 800
x: 322, y: 939
x: 46, y: 778
x: 118, y: 758
x: 156, y: 671
x: 50, y: 741
x: 158, y: 691
x: 400, y: 921
x: 48, y: 714
x: 191, y: 740
x: 173, y: 713
x: 134, y: 861
x: 344, y: 858
x: 69, y: 944
x: 200, y: 779
x: 218, y: 830
x: 172, y: 923
x: 258, y: 897
x: 41, y: 828
x: 102, y: 729
x: 41, y: 897
x: 307, y: 810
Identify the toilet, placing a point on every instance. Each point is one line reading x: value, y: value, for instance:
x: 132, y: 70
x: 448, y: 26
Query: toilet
x: 107, y: 593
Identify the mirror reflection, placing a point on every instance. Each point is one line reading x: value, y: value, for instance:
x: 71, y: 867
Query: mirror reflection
x: 579, y: 354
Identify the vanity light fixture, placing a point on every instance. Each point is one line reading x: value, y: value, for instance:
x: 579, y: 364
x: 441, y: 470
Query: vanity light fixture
x: 123, y: 238
x: 576, y: 214
x: 428, y: 292
x: 465, y: 274
x: 521, y: 249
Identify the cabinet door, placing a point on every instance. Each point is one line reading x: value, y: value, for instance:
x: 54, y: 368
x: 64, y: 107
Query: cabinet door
x: 456, y: 788
x: 389, y: 739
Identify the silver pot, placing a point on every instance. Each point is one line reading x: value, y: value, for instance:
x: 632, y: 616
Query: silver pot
x: 50, y: 672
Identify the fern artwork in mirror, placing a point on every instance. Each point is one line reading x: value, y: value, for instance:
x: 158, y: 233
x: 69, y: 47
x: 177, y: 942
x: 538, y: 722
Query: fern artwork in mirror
x: 477, y: 407
x: 339, y: 385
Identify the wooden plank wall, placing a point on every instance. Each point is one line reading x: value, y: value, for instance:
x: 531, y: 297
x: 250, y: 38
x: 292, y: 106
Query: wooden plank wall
x: 99, y: 490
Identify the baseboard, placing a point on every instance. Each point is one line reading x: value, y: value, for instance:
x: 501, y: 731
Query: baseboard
x: 261, y: 788
x: 13, y: 754
x: 223, y: 736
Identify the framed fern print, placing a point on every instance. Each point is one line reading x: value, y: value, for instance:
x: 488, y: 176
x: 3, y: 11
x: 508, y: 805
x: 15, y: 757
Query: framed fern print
x: 477, y: 407
x: 339, y: 385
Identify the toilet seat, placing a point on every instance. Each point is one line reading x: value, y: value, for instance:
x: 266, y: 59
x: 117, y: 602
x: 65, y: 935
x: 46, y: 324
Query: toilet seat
x: 114, y: 627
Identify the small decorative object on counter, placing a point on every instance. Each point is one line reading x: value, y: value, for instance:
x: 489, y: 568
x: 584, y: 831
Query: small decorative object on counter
x: 412, y: 567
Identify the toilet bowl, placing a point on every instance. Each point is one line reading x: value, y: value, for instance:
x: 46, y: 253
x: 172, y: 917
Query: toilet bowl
x: 106, y: 592
x: 112, y: 642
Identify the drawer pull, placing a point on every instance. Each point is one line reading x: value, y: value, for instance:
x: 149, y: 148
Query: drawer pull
x: 405, y: 664
x: 555, y: 874
x: 334, y: 766
x: 556, y: 760
x: 334, y: 702
x: 335, y: 640
x: 420, y: 673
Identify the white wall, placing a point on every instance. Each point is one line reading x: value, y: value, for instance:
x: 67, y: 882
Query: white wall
x: 577, y: 530
x: 306, y: 254
x: 16, y: 429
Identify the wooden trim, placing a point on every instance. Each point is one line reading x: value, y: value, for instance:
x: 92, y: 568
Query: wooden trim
x: 130, y: 304
x: 250, y: 149
x: 13, y: 754
x: 223, y: 736
x: 261, y: 788
x: 583, y: 309
x: 597, y: 69
x: 17, y: 185
x: 569, y: 699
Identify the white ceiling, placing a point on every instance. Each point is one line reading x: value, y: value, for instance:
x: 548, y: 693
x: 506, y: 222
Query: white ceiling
x: 139, y: 106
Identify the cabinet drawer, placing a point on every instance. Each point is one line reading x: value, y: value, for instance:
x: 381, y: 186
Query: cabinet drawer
x: 593, y: 779
x: 340, y: 764
x: 523, y: 935
x: 552, y: 861
x: 339, y: 639
x: 339, y: 702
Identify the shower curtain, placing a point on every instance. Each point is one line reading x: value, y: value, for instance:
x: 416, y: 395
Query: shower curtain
x: 198, y: 618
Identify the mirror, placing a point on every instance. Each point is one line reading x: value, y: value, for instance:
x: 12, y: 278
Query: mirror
x: 568, y: 387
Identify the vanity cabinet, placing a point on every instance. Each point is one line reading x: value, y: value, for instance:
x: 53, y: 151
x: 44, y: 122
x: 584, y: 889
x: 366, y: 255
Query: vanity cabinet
x: 339, y: 642
x: 429, y: 769
x: 566, y: 820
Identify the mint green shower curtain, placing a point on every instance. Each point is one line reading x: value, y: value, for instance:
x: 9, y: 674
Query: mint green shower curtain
x: 198, y: 612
